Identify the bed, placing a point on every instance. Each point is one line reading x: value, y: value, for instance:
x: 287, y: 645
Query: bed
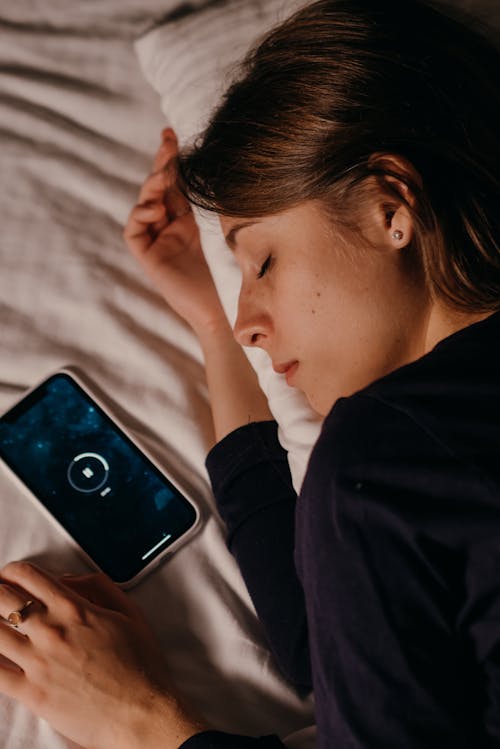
x: 85, y: 91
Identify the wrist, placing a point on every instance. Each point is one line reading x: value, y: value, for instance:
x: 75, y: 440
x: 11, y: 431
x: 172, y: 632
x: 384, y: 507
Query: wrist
x: 216, y: 332
x: 160, y: 722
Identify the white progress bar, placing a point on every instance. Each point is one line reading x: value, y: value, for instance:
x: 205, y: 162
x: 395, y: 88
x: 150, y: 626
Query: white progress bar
x: 148, y: 553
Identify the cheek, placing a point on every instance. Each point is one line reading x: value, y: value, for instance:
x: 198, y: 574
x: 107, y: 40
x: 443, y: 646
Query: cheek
x: 304, y: 292
x: 334, y: 332
x: 305, y: 304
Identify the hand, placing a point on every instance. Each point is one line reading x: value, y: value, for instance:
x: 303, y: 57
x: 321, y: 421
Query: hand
x: 162, y: 233
x: 87, y: 661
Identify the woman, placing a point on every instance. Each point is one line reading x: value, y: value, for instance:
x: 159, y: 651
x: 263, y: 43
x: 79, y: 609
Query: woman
x: 354, y: 169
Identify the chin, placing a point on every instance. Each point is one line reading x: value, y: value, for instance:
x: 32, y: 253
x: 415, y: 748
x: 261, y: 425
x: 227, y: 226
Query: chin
x: 317, y: 405
x: 324, y: 400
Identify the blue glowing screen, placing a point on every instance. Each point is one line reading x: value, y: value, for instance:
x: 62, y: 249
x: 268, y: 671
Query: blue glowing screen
x: 107, y: 494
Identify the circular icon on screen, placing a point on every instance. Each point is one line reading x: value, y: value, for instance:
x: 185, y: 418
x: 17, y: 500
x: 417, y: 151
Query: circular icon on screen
x: 88, y: 472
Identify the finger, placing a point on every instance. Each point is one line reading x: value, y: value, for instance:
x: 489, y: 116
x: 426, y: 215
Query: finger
x: 143, y: 214
x: 40, y: 585
x: 176, y: 203
x: 136, y: 232
x: 14, y: 645
x: 13, y: 600
x: 168, y: 133
x: 175, y: 198
x: 163, y: 176
x: 12, y: 682
x: 8, y: 664
x: 154, y: 187
x: 164, y: 161
x: 166, y: 152
x: 146, y: 213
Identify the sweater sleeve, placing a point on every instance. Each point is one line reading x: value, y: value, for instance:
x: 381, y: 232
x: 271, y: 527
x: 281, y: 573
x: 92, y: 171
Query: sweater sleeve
x: 253, y: 488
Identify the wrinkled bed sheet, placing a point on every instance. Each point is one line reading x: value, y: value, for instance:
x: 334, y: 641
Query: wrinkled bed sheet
x: 79, y: 127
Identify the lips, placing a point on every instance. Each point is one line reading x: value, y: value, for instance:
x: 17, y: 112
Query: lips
x: 282, y: 368
x: 288, y: 369
x: 290, y: 372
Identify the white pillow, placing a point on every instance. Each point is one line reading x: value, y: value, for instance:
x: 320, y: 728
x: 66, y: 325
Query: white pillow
x: 189, y: 62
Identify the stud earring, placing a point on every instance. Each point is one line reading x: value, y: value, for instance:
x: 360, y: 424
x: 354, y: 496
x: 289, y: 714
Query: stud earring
x: 397, y: 234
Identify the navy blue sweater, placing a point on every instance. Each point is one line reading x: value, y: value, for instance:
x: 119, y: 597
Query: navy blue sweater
x: 379, y: 585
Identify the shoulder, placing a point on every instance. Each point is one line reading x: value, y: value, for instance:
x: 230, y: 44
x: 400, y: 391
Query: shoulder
x: 368, y: 443
x: 376, y: 470
x: 365, y: 427
x: 446, y: 404
x: 376, y: 480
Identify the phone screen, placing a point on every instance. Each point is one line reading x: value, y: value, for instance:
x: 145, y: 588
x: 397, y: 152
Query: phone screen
x: 105, y: 492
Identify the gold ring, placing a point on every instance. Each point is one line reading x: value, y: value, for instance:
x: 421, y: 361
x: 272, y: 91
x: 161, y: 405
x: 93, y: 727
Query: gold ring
x: 16, y: 617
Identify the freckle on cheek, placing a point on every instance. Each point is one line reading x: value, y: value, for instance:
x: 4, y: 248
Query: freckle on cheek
x: 313, y: 311
x: 318, y: 293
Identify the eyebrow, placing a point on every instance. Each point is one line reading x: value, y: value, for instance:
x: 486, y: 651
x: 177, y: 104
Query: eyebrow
x: 230, y: 238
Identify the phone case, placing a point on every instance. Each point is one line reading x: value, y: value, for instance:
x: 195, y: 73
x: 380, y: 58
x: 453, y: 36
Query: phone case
x: 170, y: 550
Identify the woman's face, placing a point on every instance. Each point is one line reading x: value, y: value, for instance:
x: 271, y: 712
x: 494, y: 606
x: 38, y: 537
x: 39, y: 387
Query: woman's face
x: 348, y: 313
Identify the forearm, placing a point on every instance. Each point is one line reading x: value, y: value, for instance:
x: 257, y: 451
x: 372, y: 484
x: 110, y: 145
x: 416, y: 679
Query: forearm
x: 235, y: 394
x: 253, y: 487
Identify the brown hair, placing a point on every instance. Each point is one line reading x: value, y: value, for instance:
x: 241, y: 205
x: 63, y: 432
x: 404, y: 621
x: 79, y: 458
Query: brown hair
x: 341, y: 80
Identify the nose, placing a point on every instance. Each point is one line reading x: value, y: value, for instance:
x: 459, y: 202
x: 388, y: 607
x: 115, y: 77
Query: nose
x: 252, y: 324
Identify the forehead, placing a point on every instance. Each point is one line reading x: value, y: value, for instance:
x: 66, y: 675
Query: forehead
x: 299, y: 218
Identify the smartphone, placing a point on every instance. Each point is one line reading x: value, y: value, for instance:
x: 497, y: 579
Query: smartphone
x: 62, y: 445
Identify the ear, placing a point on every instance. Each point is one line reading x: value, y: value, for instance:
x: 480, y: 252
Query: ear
x: 397, y: 181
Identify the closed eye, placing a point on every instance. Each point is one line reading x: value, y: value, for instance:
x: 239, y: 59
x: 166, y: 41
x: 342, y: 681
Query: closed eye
x: 265, y: 267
